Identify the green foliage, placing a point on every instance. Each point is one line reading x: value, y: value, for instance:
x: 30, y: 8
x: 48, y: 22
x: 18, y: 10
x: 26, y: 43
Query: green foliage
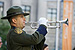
x: 4, y: 28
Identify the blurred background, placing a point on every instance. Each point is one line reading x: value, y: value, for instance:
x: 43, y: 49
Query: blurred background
x: 37, y: 9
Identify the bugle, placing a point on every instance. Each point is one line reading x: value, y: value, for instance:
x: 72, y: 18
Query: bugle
x: 34, y: 25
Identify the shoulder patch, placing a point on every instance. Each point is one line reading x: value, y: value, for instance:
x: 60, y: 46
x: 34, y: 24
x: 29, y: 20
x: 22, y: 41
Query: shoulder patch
x: 18, y: 30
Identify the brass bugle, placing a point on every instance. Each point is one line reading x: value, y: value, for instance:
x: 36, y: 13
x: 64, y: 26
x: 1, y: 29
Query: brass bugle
x: 48, y: 24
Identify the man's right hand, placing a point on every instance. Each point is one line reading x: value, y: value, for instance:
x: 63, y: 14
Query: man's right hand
x: 42, y: 26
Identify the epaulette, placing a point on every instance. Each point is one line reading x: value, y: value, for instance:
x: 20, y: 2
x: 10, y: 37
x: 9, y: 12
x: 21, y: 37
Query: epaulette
x: 18, y: 30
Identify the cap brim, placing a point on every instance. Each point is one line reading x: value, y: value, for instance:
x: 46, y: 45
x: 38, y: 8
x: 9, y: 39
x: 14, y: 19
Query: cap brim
x: 7, y: 17
x: 25, y: 14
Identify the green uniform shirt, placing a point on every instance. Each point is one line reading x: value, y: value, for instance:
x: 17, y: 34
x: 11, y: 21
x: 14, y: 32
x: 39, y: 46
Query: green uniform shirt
x: 17, y: 39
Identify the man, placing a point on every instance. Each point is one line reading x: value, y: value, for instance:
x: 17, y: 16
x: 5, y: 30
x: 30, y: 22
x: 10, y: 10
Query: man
x: 17, y: 39
x: 0, y: 42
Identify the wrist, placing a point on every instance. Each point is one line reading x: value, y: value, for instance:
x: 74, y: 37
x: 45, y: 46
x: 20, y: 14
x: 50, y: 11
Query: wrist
x: 44, y: 25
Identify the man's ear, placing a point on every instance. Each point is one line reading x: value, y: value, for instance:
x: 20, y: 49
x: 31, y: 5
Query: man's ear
x: 13, y: 20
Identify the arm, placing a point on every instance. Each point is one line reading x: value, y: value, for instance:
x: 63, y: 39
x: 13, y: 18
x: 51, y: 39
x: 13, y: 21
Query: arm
x: 26, y: 39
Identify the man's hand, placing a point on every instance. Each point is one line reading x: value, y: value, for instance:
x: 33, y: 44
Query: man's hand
x: 43, y: 21
x: 42, y: 26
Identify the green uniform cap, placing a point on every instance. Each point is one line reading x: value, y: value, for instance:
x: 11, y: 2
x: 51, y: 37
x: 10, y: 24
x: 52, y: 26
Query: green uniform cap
x: 15, y: 10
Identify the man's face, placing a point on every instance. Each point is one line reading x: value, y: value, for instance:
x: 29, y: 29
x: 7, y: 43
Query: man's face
x: 20, y: 21
x: 0, y: 43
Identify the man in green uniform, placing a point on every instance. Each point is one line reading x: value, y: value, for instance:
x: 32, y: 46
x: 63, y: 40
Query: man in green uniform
x: 17, y: 39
